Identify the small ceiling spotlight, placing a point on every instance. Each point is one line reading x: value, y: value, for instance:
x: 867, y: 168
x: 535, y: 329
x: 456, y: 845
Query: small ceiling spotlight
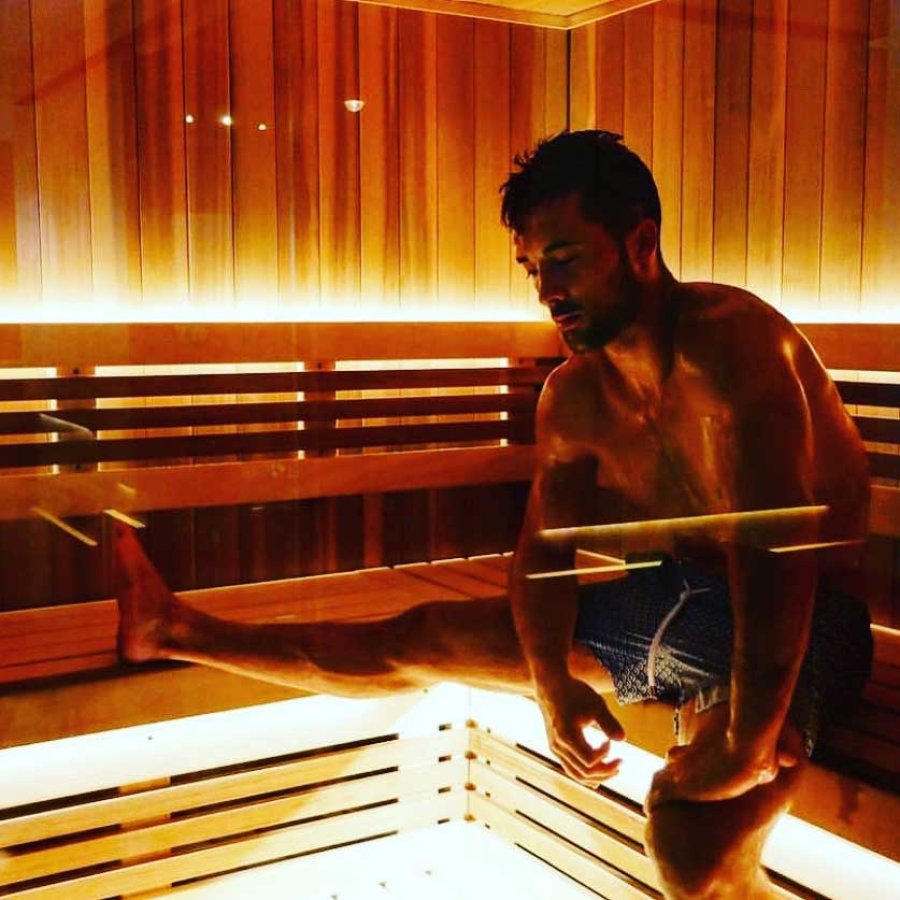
x: 227, y: 121
x: 354, y: 106
x: 262, y: 127
x: 189, y: 119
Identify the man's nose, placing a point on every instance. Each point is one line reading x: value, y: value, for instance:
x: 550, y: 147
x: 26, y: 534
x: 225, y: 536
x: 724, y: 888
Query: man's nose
x: 549, y: 290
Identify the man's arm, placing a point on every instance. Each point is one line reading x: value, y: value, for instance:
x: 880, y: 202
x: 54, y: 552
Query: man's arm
x: 545, y: 611
x: 772, y: 598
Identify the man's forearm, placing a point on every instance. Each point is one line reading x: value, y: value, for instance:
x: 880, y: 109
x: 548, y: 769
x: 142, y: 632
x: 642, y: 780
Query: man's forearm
x: 772, y: 601
x: 544, y: 611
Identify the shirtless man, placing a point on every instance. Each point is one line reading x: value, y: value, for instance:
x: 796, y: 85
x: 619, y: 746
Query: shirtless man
x: 678, y: 400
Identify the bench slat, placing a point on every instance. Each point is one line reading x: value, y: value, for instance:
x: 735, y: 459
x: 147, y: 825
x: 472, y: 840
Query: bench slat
x: 78, y: 387
x: 518, y: 429
x: 869, y: 393
x: 263, y: 413
x: 884, y: 465
x: 882, y: 430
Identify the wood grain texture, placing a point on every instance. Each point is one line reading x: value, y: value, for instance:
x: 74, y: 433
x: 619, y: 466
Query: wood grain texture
x: 699, y: 140
x: 62, y: 148
x: 843, y: 163
x: 112, y: 151
x: 418, y: 161
x: 161, y: 150
x: 253, y: 151
x: 732, y: 142
x: 20, y: 240
x: 765, y: 204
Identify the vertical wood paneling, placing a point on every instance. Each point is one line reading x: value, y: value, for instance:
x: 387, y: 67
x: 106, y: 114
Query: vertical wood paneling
x: 788, y: 120
x: 62, y: 147
x: 881, y: 220
x: 583, y: 80
x: 765, y: 209
x: 161, y: 150
x: 208, y: 98
x: 297, y: 151
x: 253, y: 152
x: 492, y: 138
x: 456, y: 161
x: 668, y: 88
x: 20, y: 236
x: 339, y: 224
x: 805, y: 132
x: 699, y: 140
x: 732, y: 142
x: 610, y: 60
x: 556, y: 65
x: 112, y: 148
x: 638, y: 116
x: 379, y: 157
x: 844, y: 160
x: 527, y: 126
x: 418, y: 161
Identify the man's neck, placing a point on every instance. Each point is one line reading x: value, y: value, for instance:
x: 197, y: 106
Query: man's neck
x: 643, y: 352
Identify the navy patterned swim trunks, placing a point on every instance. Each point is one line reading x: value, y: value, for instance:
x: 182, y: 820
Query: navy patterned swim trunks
x: 666, y: 633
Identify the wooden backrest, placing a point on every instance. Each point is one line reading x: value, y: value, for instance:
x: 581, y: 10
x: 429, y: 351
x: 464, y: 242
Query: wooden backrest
x: 154, y: 419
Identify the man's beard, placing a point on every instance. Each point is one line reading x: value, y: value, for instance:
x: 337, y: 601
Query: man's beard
x: 599, y: 331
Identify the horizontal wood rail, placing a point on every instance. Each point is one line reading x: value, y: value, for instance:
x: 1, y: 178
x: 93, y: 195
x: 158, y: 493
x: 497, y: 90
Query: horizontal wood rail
x: 249, y: 413
x: 79, y: 387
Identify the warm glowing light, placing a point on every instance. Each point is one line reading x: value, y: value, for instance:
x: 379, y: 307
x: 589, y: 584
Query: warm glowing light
x: 262, y: 127
x: 227, y: 121
x: 354, y: 106
x: 182, y: 306
x: 189, y: 119
x: 679, y: 523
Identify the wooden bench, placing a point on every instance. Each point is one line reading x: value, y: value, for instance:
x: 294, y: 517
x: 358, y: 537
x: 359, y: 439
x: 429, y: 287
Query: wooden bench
x: 410, y: 473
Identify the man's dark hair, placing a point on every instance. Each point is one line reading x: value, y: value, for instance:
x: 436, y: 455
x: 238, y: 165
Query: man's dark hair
x: 615, y: 187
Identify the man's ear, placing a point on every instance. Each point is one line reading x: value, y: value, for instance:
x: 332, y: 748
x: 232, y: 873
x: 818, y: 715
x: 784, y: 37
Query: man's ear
x: 642, y: 247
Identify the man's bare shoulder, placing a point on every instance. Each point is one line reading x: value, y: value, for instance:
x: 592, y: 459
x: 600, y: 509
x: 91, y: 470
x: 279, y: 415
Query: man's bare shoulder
x: 570, y: 408
x: 736, y: 339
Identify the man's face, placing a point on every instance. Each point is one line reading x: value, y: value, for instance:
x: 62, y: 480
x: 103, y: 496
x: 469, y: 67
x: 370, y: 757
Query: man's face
x: 580, y: 271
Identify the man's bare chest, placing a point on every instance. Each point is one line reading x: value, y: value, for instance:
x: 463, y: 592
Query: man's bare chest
x: 672, y: 458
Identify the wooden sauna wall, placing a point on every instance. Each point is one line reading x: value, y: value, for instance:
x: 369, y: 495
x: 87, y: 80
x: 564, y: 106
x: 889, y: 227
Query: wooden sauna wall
x: 109, y: 198
x: 773, y: 130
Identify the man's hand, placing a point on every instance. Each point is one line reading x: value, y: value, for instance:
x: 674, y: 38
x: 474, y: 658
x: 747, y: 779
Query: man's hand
x: 568, y: 708
x: 713, y: 767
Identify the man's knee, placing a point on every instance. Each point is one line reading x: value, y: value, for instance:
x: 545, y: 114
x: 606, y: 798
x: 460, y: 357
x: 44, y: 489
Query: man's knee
x: 699, y: 853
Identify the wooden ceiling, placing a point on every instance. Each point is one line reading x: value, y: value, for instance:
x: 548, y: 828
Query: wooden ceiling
x: 563, y: 14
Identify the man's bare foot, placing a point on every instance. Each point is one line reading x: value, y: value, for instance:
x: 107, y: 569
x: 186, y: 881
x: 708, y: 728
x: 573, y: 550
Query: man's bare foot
x: 146, y: 605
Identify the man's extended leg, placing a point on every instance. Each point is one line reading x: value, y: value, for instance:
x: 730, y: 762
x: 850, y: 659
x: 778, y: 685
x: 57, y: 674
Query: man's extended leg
x: 472, y: 642
x: 713, y: 850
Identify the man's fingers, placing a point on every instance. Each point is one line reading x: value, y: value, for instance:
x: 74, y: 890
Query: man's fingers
x: 608, y: 722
